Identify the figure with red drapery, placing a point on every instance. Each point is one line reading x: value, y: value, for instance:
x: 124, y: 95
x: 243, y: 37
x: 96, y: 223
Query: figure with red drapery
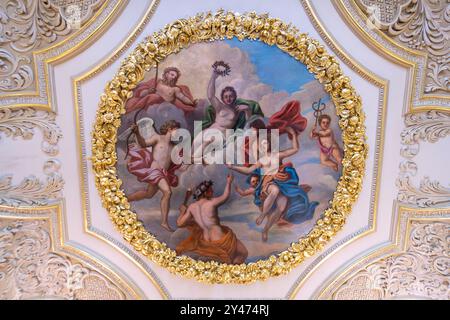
x: 155, y: 167
x: 277, y: 192
x: 156, y: 91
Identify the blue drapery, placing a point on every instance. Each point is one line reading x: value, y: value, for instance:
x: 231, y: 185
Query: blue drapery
x: 300, y: 208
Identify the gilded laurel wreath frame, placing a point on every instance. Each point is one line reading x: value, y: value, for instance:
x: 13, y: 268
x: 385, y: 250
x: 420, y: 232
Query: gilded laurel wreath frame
x: 218, y: 26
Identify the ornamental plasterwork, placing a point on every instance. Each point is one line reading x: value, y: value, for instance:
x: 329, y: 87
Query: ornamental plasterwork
x: 429, y: 126
x: 420, y: 270
x: 32, y: 191
x: 370, y: 30
x: 21, y: 122
x: 29, y: 269
x: 27, y: 26
x: 428, y: 194
x: 29, y: 191
x: 422, y: 25
x: 73, y: 10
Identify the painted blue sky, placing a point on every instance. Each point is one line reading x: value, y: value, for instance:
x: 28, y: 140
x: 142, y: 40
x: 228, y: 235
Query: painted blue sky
x: 279, y: 70
x: 273, y: 66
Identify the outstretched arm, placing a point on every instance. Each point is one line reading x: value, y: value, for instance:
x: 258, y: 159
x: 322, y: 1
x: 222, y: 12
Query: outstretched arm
x: 295, y: 145
x: 244, y: 170
x: 185, y: 216
x: 140, y: 139
x: 180, y: 95
x: 313, y: 133
x: 226, y: 193
x: 244, y: 193
x: 144, y: 89
x: 212, y: 90
x: 324, y: 133
x: 152, y: 140
x: 183, y: 167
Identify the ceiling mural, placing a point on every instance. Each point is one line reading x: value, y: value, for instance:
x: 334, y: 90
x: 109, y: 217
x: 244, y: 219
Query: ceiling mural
x: 57, y: 60
x: 284, y: 203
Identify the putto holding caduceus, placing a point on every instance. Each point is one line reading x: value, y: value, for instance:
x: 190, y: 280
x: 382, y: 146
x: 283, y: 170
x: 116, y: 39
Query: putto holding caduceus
x: 330, y: 152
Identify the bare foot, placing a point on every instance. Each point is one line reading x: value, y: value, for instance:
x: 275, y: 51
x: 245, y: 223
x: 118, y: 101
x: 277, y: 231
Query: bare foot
x: 335, y: 167
x: 264, y: 236
x: 166, y: 226
x: 260, y: 219
x: 306, y: 187
x: 284, y: 223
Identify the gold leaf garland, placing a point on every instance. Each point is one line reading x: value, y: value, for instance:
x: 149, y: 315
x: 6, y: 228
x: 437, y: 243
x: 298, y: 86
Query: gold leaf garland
x: 218, y: 26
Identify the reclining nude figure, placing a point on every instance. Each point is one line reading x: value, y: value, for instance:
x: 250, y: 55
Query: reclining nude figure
x: 209, y: 238
x: 157, y: 91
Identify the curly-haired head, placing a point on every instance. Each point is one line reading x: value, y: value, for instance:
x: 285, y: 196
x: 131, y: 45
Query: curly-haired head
x: 170, y: 124
x: 171, y: 80
x: 324, y: 116
x: 202, y: 188
x: 168, y: 69
x: 229, y: 98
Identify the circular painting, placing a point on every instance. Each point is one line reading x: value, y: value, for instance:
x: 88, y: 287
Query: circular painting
x: 229, y: 151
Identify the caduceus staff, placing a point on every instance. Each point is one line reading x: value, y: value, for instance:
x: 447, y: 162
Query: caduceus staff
x: 139, y: 111
x: 318, y: 107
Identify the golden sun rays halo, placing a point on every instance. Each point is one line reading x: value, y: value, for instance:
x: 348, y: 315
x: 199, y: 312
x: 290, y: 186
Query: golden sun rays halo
x: 218, y: 26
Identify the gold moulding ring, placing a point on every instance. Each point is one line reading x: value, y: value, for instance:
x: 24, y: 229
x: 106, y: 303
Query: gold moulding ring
x: 206, y: 27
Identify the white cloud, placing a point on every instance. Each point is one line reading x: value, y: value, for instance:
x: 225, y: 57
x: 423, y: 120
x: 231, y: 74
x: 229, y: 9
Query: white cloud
x: 195, y: 66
